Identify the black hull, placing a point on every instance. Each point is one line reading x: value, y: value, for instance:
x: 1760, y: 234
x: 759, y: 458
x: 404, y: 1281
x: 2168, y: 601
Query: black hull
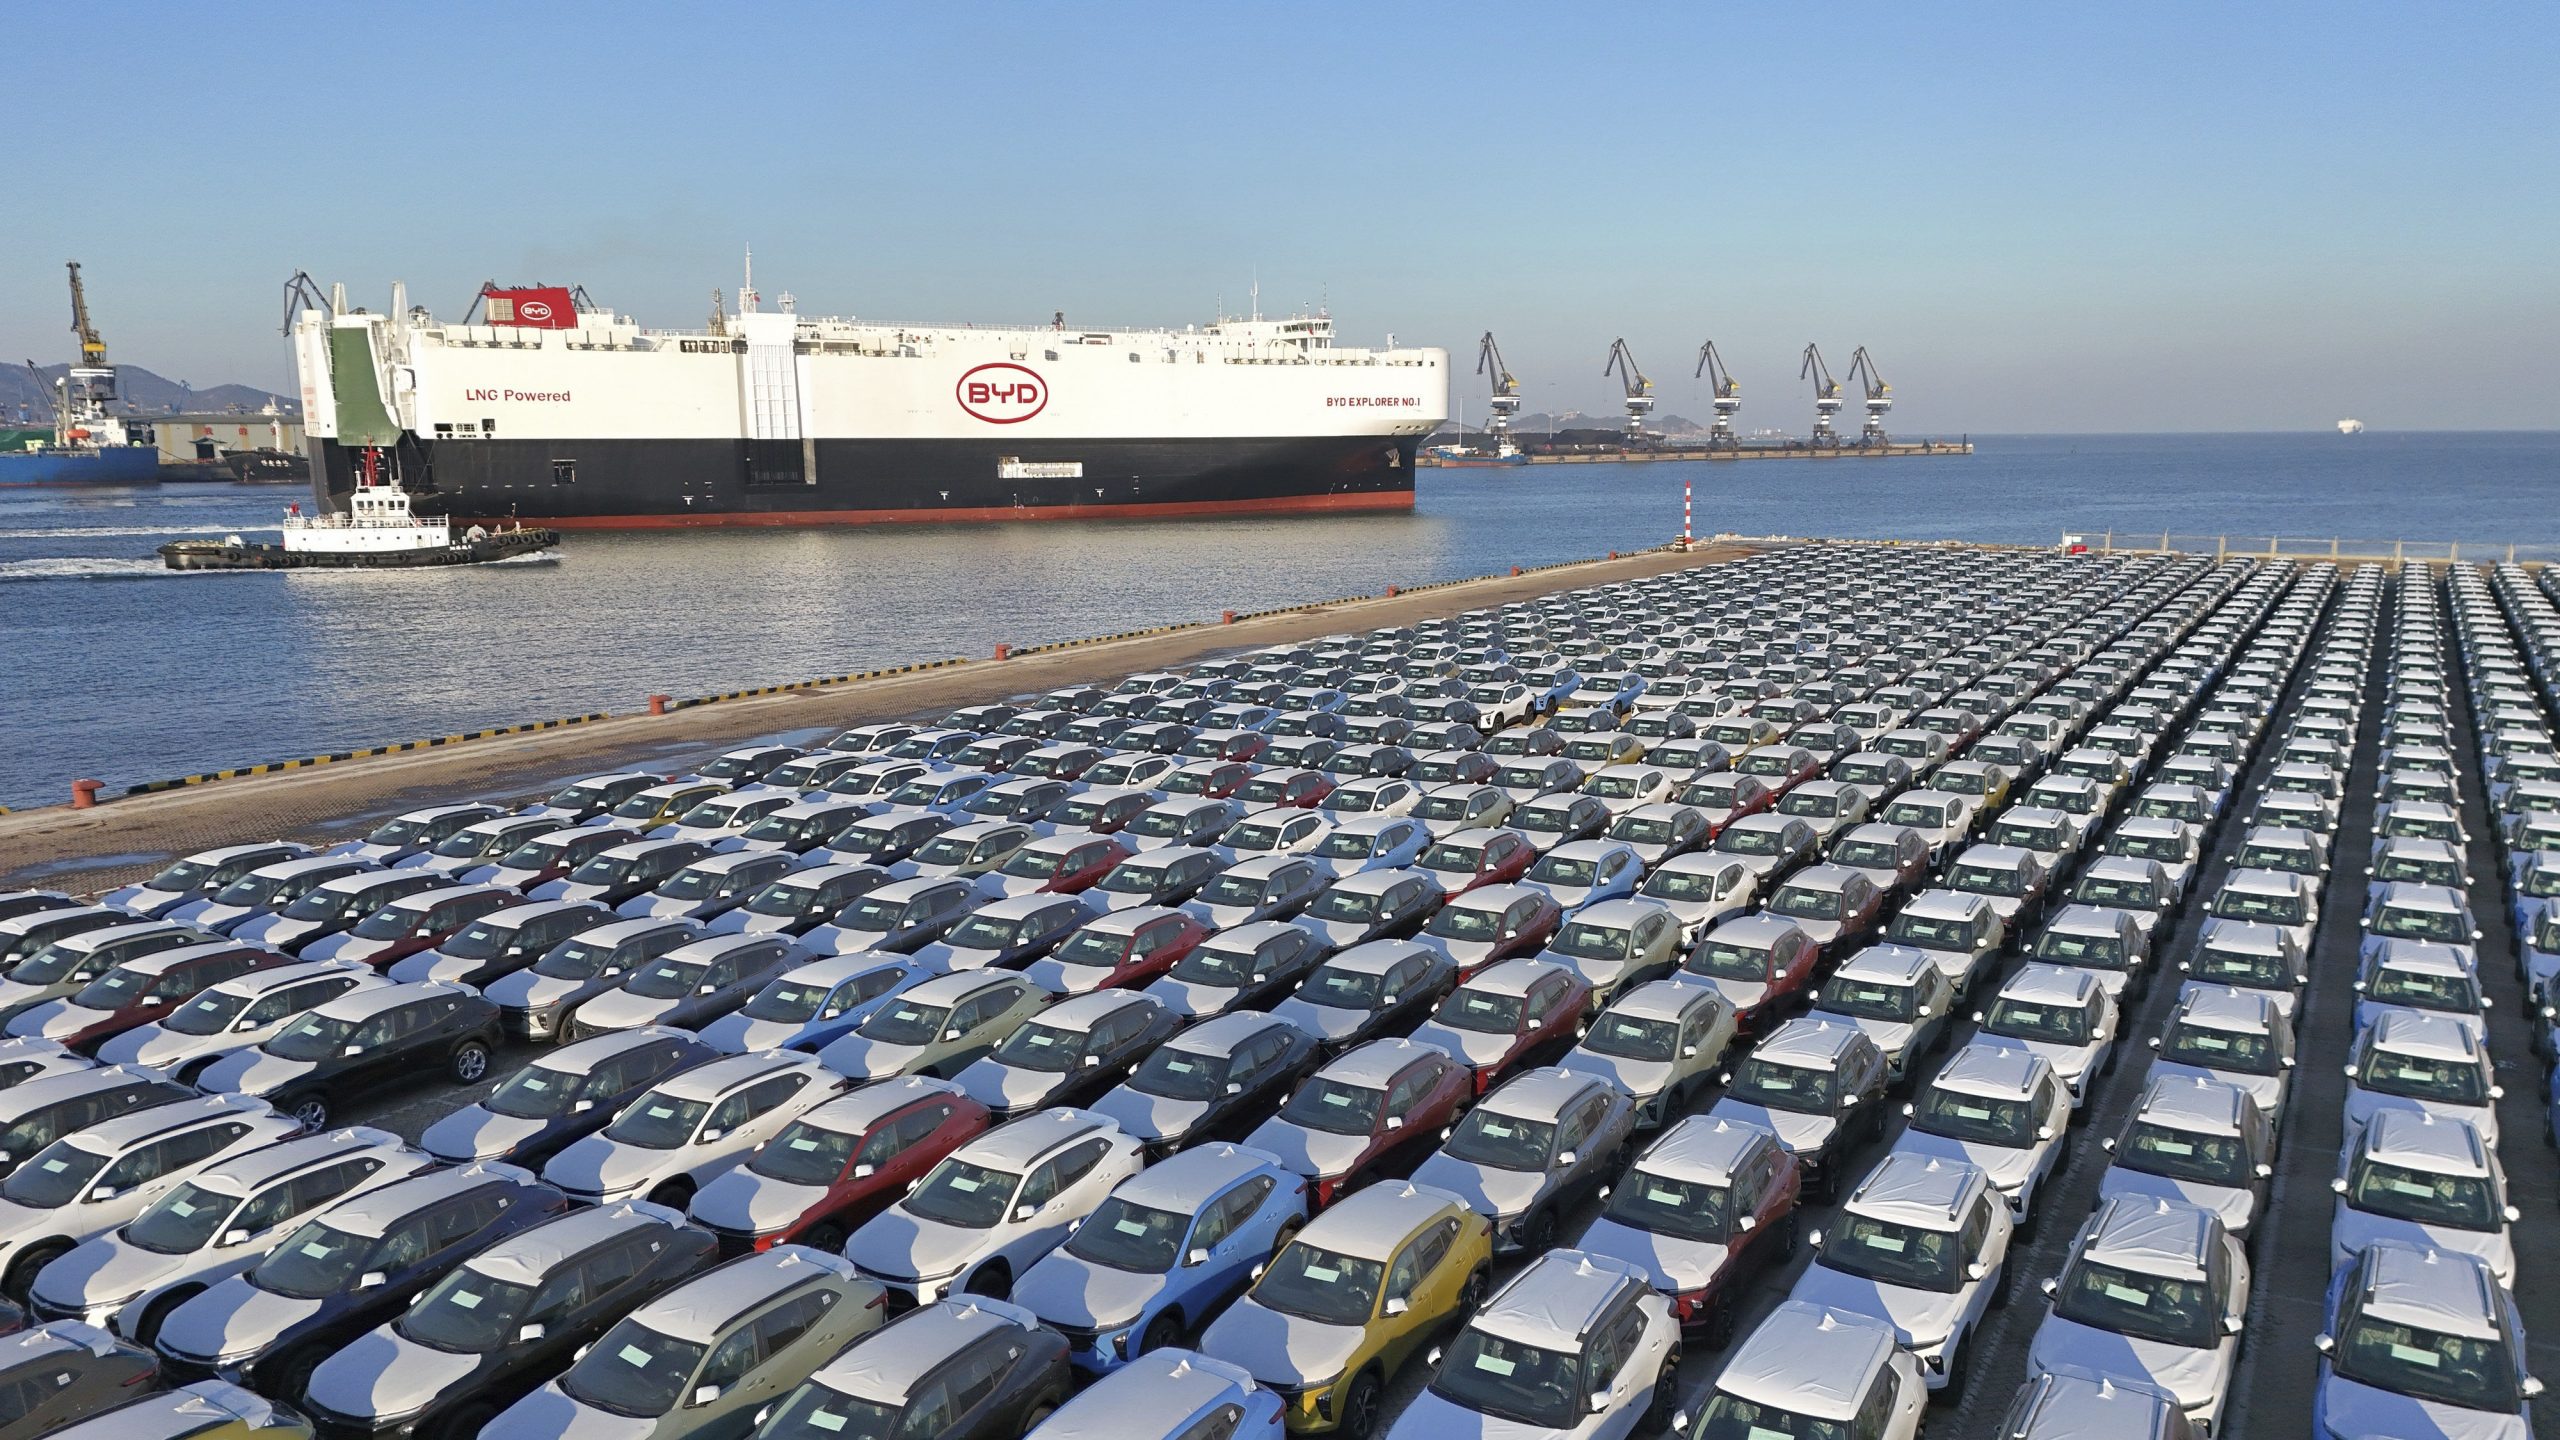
x: 223, y: 555
x: 666, y: 483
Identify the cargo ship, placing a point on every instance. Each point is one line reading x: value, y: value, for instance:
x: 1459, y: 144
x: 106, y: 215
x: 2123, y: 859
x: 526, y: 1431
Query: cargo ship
x: 540, y: 405
x: 90, y: 444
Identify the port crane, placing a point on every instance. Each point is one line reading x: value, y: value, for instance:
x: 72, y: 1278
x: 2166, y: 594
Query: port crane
x: 1506, y: 391
x: 1862, y: 372
x: 1727, y: 398
x: 1622, y: 364
x: 1826, y: 398
x: 93, y: 351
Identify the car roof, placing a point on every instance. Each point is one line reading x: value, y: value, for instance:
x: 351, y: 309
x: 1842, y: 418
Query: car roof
x: 579, y: 1057
x: 2226, y: 1007
x: 119, y: 1133
x: 1162, y: 1392
x: 372, y: 1212
x: 1019, y: 1144
x: 884, y: 1365
x: 697, y: 1309
x: 1514, y: 976
x: 1945, y: 904
x: 2152, y: 1235
x: 1667, y: 999
x: 366, y: 1001
x: 1759, y: 929
x: 715, y: 1078
x: 1185, y: 1180
x: 239, y: 1174
x: 2424, y: 1032
x: 1371, y: 1223
x: 2090, y: 920
x: 1375, y: 957
x: 2430, y: 1288
x: 1899, y: 964
x: 1221, y: 1034
x: 2426, y: 957
x: 2422, y: 1140
x: 528, y: 1256
x: 1540, y: 1094
x: 1083, y: 1012
x: 2068, y: 1403
x: 1499, y: 897
x: 160, y: 962
x: 2000, y: 1071
x: 1557, y: 1299
x: 2198, y: 1103
x: 1809, y: 1359
x: 1808, y: 1041
x: 958, y: 985
x: 1378, y: 1061
x: 2409, y: 894
x: 1929, y: 1191
x: 1702, y: 1147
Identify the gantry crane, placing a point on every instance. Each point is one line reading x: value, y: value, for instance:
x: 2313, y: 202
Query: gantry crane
x: 1506, y: 391
x: 93, y: 351
x: 1727, y: 398
x: 1826, y: 397
x: 1862, y: 372
x: 1622, y: 363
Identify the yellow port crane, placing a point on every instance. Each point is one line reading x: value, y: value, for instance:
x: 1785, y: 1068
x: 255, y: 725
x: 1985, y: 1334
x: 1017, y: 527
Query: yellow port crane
x: 1862, y: 370
x: 1727, y: 397
x: 1506, y: 391
x: 1622, y: 364
x: 1826, y: 398
x: 93, y: 351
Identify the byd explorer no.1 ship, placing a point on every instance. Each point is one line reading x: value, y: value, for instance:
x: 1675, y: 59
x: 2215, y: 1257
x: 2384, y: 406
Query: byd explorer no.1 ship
x: 549, y: 408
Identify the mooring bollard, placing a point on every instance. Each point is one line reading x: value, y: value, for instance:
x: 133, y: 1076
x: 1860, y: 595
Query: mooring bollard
x: 84, y: 793
x: 1226, y: 617
x: 1391, y: 592
x: 1002, y: 651
x: 1515, y: 572
x: 657, y: 704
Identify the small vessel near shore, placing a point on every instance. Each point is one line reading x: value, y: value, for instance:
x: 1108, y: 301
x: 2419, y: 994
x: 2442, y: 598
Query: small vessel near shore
x: 379, y: 529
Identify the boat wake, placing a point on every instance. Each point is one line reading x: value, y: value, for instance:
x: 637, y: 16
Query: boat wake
x: 88, y: 567
x: 82, y: 532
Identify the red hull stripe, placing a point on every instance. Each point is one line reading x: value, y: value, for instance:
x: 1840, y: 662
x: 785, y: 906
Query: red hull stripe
x: 1390, y: 500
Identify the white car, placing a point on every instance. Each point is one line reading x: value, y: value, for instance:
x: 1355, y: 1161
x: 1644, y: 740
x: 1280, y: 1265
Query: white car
x: 995, y: 1206
x: 2155, y: 1291
x: 2060, y: 1012
x: 1923, y: 1245
x: 241, y: 1013
x: 2001, y: 1110
x: 691, y: 1127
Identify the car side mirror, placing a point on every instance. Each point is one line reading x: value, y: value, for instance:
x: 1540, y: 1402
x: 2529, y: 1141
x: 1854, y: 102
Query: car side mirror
x: 2231, y: 1324
x: 1395, y: 1122
x: 2153, y: 1042
x: 1851, y: 1099
x: 1688, y: 1052
x: 582, y: 1107
x: 352, y: 1050
x: 1746, y: 1222
x: 2050, y: 1286
x: 2044, y: 1132
x: 1431, y: 1356
x: 1977, y: 1271
x: 1910, y: 1109
x: 2531, y: 1387
x: 1724, y: 1077
x: 2497, y: 1092
x: 1092, y: 1060
x: 1258, y: 1269
x: 531, y: 1332
x: 1977, y: 1016
x: 2108, y: 1144
x: 951, y: 1034
x: 705, y: 1394
x: 105, y: 1192
x: 1397, y: 1305
x: 1599, y: 1401
x: 1569, y: 1158
x: 1196, y: 1257
x: 372, y: 1279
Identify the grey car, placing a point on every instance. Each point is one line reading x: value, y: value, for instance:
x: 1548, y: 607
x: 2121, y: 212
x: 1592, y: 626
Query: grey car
x: 1617, y: 945
x: 1007, y: 934
x: 903, y: 915
x: 798, y: 901
x: 711, y: 885
x: 1661, y: 1043
x: 690, y: 986
x: 937, y: 1027
x: 1068, y: 1054
x: 692, y: 1126
x: 560, y: 1096
x: 241, y: 1013
x: 1245, y: 968
x: 1530, y: 1151
x: 1265, y: 887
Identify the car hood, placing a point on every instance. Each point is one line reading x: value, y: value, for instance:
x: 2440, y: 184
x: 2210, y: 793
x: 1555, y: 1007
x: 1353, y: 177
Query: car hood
x: 1187, y: 998
x: 431, y: 965
x: 1004, y: 1088
x: 525, y: 990
x: 1745, y: 994
x: 103, y: 1270
x: 233, y: 1318
x: 2352, y: 1230
x: 17, y: 995
x: 19, y: 1221
x: 345, y: 945
x: 1149, y: 1117
x: 737, y: 1034
x: 1318, y: 1153
x: 1892, y: 1037
x: 472, y: 1133
x: 1322, y: 1021
x: 2194, y: 1374
x: 2357, y: 1411
x: 755, y: 1204
x: 1476, y: 1047
x: 1073, y: 1291
x: 209, y: 916
x: 549, y: 1414
x: 1796, y: 1130
x: 143, y: 900
x: 252, y: 1072
x: 1282, y: 1349
x: 1922, y: 1318
x: 2267, y: 1090
x: 646, y: 907
x: 1822, y: 931
x: 1465, y: 954
x: 151, y: 1045
x: 1063, y: 979
x: 1432, y: 1417
x: 1496, y: 1193
x: 2236, y: 1206
x: 1340, y: 934
x: 277, y: 931
x: 1223, y: 917
x: 602, y: 1166
x: 2005, y: 1166
x: 2070, y: 1062
x: 1670, y: 1262
x: 899, y: 1243
x: 1638, y: 1078
x: 2363, y: 1105
x: 860, y: 1057
x: 383, y: 1374
x: 54, y: 1020
x: 622, y: 1010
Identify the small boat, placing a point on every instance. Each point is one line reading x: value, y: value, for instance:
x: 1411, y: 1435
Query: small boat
x: 379, y: 531
x: 1502, y: 453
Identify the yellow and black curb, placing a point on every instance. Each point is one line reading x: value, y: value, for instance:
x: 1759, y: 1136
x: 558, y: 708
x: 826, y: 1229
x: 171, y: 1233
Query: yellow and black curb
x: 275, y: 767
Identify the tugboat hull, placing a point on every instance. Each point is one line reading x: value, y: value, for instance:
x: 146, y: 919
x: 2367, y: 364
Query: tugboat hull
x: 238, y: 555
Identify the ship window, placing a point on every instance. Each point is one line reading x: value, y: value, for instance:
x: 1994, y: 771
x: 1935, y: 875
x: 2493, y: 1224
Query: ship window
x: 564, y: 472
x: 488, y: 427
x: 1133, y: 357
x: 444, y: 428
x: 1049, y: 354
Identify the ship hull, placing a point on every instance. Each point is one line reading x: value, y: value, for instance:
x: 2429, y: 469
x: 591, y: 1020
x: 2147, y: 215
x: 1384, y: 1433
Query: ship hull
x: 108, y: 465
x: 648, y: 484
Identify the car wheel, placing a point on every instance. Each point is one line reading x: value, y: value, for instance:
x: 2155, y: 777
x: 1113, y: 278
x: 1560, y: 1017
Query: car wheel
x: 467, y: 1422
x: 1957, y: 1365
x: 1539, y: 1234
x: 470, y: 1061
x: 1472, y: 1294
x: 2002, y: 1288
x: 312, y: 1111
x: 1162, y: 1333
x: 675, y: 1194
x: 1721, y: 1318
x: 995, y: 1281
x: 1360, y: 1407
x: 22, y: 1274
x: 147, y: 1329
x: 1287, y: 1232
x: 827, y: 1237
x: 1666, y: 1395
x: 293, y: 1378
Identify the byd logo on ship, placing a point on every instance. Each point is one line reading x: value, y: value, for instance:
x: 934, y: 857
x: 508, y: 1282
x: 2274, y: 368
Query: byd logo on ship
x: 533, y: 310
x: 1003, y: 394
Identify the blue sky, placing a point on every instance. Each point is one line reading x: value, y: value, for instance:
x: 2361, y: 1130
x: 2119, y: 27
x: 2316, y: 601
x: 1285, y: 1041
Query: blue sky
x: 2075, y: 218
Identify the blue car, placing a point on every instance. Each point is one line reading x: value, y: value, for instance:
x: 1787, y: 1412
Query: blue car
x: 806, y: 1007
x: 1165, y: 1394
x: 1164, y: 1251
x: 2422, y: 1345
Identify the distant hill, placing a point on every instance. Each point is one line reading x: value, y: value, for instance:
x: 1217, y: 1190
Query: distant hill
x: 145, y: 393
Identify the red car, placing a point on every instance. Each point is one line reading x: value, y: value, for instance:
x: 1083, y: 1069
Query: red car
x: 139, y: 991
x: 837, y: 1166
x: 1057, y: 865
x: 1215, y: 779
x: 1122, y: 950
x: 1761, y: 962
x: 406, y: 926
x: 1493, y: 923
x: 1472, y: 859
x: 1726, y: 798
x: 1299, y: 789
x: 1225, y: 745
x: 1377, y: 1109
x: 1662, y: 1197
x: 1783, y: 767
x: 1511, y: 1016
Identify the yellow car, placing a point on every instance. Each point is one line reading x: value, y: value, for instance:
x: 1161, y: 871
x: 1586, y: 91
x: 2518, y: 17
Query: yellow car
x: 1360, y: 1291
x: 661, y: 804
x: 207, y: 1410
x: 1605, y: 747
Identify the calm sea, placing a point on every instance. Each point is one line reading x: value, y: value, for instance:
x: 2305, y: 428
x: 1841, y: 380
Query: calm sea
x: 112, y: 667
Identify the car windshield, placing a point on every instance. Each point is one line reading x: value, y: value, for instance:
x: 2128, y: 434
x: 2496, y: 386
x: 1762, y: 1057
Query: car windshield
x: 186, y: 875
x: 2424, y: 990
x: 1866, y: 999
x: 1989, y: 1120
x: 667, y: 979
x: 1338, y: 988
x: 1354, y: 906
x: 1347, y: 845
x: 479, y: 940
x: 2253, y: 969
x: 904, y: 1022
x: 1985, y: 879
x: 54, y: 1176
x: 2167, y: 849
x: 658, y: 1121
x: 1180, y: 1075
x: 313, y: 1037
x: 787, y: 1001
x: 2417, y: 870
x: 2411, y: 922
x: 116, y: 989
x: 1930, y: 932
x: 1689, y: 1209
x: 1805, y: 902
x: 1470, y: 1008
x: 1867, y: 855
x: 1212, y: 963
x: 1320, y: 1285
x: 806, y: 1153
x: 1049, y: 1049
x: 1465, y: 922
x: 1135, y: 877
x: 315, y: 1262
x: 2266, y: 856
x: 2093, y: 952
x: 1547, y: 819
x: 536, y: 1092
x: 1680, y: 885
x: 471, y: 843
x: 2422, y: 1077
x: 1891, y: 1253
x: 1729, y: 1417
x: 2232, y: 903
x: 947, y: 850
x: 2038, y: 1020
x: 2184, y: 1154
x: 466, y: 1313
x: 391, y: 922
x: 1132, y: 1237
x: 634, y: 1371
x: 1585, y: 940
x: 56, y: 963
x: 1525, y: 1384
x: 1729, y: 960
x: 1334, y: 1106
x: 575, y: 960
x: 2464, y: 1370
x: 1916, y: 814
x: 2248, y: 1052
x: 959, y: 1193
x: 1752, y: 840
x: 1161, y: 824
x: 608, y: 869
x: 2429, y: 1197
x: 1780, y: 1086
x: 252, y: 889
x: 2127, y: 1302
x: 207, y: 1014
x: 183, y: 1221
x: 539, y: 853
x: 2117, y: 892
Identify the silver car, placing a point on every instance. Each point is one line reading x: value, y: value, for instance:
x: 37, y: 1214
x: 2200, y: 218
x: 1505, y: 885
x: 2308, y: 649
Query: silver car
x: 1661, y: 1043
x: 689, y: 986
x: 2155, y: 1291
x: 1532, y: 1149
x: 995, y: 1205
x: 1923, y: 1245
x: 2196, y: 1141
x: 1578, y: 1345
x: 692, y: 1126
x: 1811, y: 1370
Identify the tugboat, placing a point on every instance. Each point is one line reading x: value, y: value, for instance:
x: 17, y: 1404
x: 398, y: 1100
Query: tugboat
x: 378, y: 531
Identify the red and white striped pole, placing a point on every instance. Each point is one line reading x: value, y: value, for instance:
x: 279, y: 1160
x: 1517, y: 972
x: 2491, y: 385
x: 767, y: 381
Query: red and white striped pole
x: 1688, y: 486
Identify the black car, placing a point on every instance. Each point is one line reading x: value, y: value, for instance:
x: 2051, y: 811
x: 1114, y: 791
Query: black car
x: 41, y: 1111
x: 559, y: 1097
x: 1068, y: 1053
x: 502, y: 942
x: 964, y: 1371
x: 365, y: 1040
x: 624, y: 872
x: 1249, y: 967
x: 508, y: 1318
x: 887, y: 839
x: 349, y: 1268
x: 1216, y: 1080
x: 67, y: 1371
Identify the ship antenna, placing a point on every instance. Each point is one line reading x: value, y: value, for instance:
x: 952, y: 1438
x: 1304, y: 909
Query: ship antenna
x: 1257, y: 295
x: 747, y: 296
